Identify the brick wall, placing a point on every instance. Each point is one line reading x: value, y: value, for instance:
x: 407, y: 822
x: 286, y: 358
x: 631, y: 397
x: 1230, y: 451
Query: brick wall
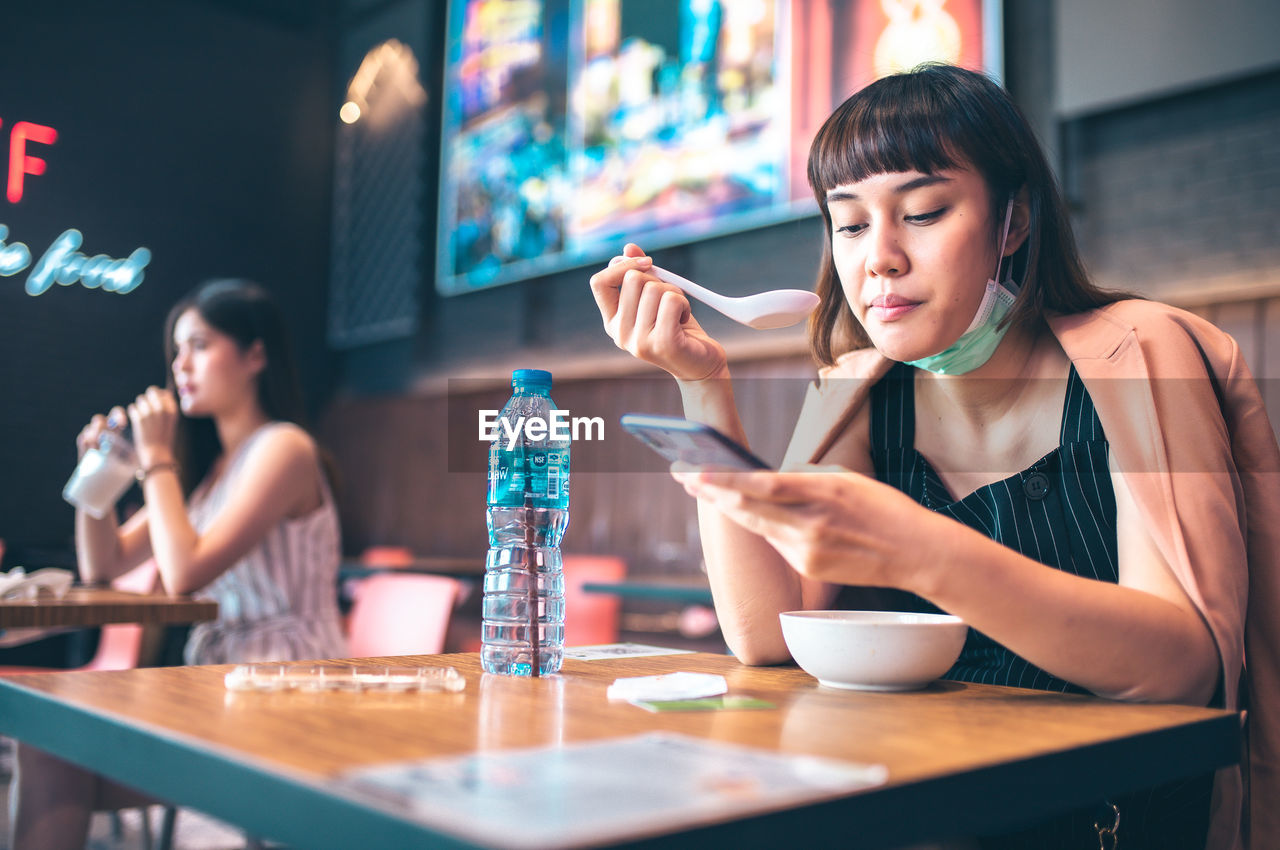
x: 1180, y: 198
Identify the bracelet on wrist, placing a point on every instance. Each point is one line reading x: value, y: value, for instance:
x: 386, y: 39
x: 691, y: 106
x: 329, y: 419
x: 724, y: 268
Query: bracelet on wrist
x: 145, y: 472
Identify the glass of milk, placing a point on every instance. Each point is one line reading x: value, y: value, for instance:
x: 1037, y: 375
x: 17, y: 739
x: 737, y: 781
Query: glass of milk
x: 103, y: 474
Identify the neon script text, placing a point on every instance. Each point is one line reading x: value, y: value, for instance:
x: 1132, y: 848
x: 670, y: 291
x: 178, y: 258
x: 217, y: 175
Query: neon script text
x: 64, y: 264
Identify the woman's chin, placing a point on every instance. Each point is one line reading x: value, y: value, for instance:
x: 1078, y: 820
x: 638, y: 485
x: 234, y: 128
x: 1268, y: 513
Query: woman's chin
x: 904, y: 347
x: 899, y: 350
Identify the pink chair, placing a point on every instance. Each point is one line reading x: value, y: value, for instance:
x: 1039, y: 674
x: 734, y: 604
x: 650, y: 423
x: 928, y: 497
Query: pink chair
x: 120, y: 646
x: 591, y: 618
x: 387, y: 556
x: 400, y: 614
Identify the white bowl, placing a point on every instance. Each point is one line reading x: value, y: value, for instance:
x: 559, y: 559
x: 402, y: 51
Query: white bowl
x: 873, y: 650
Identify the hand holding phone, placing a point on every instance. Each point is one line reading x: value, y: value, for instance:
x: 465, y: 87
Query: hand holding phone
x: 690, y: 442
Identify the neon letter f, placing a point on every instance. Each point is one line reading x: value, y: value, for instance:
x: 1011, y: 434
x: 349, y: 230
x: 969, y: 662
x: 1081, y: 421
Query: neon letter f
x: 20, y: 163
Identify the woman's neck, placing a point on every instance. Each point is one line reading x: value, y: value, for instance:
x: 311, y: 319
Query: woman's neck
x: 235, y: 426
x: 1009, y: 378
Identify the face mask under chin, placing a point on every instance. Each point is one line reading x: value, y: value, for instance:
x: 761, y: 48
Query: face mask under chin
x: 976, y: 345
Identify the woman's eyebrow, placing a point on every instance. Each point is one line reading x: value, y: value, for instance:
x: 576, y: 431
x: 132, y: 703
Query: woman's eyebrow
x: 913, y: 183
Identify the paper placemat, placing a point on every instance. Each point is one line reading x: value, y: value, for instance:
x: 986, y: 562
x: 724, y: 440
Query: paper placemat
x: 602, y: 790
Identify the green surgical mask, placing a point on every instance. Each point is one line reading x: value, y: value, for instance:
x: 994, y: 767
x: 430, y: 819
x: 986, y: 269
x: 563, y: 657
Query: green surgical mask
x: 976, y: 345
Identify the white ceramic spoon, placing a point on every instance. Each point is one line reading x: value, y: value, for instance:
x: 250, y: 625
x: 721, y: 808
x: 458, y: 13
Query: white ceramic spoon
x: 777, y: 308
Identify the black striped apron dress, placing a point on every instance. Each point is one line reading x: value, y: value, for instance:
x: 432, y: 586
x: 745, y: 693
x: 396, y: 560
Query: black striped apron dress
x: 1061, y: 512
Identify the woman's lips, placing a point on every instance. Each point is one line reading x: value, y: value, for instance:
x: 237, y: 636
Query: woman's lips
x: 890, y: 307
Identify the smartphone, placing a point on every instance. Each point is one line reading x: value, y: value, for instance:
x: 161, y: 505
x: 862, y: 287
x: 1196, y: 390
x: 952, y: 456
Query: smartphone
x: 692, y: 442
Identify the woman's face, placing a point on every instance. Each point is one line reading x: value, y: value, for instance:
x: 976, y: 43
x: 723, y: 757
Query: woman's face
x: 211, y: 373
x: 914, y: 252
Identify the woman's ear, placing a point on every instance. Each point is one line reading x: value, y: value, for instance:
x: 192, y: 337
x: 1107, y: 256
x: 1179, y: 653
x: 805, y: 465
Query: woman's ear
x: 1019, y: 222
x: 256, y: 355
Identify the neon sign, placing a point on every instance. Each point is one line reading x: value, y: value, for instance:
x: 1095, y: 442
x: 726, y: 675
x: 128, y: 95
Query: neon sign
x: 64, y: 264
x: 22, y: 163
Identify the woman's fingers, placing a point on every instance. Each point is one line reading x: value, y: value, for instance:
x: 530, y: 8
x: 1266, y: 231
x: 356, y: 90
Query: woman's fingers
x: 652, y: 320
x: 784, y: 488
x: 810, y: 518
x: 649, y: 314
x: 757, y: 501
x: 160, y: 400
x: 153, y: 402
x: 153, y: 414
x: 606, y: 284
x: 673, y: 310
x: 90, y: 434
x: 632, y: 251
x: 775, y: 503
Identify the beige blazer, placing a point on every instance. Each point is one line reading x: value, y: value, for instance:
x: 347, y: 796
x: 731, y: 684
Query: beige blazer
x: 1188, y: 429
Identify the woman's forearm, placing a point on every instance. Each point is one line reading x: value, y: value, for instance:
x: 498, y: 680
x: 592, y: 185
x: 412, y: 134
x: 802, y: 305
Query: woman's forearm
x: 751, y: 584
x: 97, y: 547
x: 173, y: 539
x: 1116, y: 641
x: 750, y: 581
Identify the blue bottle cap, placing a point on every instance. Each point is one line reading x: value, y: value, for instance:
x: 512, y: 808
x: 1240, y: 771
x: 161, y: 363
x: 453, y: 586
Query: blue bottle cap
x: 531, y: 378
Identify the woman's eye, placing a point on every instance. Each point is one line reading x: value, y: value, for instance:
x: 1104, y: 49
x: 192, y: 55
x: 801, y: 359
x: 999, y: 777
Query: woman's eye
x: 926, y: 217
x: 850, y: 229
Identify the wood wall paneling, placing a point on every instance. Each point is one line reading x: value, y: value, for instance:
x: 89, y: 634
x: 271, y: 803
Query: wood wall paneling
x: 413, y: 469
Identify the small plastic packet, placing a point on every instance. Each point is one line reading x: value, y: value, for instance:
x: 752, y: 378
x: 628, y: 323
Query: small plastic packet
x: 266, y: 678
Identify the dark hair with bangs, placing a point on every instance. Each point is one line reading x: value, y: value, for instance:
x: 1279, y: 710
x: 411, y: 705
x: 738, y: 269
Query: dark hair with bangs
x: 930, y: 119
x: 247, y: 313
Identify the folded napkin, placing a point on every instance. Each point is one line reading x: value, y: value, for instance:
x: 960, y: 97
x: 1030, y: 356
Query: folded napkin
x: 18, y: 585
x: 668, y: 686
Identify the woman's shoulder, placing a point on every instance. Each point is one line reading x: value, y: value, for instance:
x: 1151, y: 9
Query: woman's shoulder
x: 285, y: 456
x: 831, y: 427
x: 284, y: 440
x: 1142, y: 314
x: 861, y: 363
x: 1171, y: 334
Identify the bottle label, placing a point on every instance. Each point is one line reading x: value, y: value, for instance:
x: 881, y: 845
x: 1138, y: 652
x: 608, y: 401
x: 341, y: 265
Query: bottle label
x: 541, y: 472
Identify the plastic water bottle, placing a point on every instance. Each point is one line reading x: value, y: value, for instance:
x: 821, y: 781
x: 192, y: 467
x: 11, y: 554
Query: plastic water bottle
x: 523, y: 610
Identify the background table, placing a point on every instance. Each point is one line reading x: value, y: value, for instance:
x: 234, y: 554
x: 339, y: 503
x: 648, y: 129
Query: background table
x: 97, y: 606
x: 441, y: 565
x: 961, y: 759
x: 692, y: 590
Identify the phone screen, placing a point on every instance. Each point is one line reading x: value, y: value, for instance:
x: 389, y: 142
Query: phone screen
x: 691, y: 442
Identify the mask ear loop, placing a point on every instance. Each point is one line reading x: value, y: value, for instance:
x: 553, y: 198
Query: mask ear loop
x: 988, y: 303
x: 1004, y: 239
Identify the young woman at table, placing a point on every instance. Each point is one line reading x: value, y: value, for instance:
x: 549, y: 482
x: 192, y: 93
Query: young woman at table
x: 989, y: 443
x: 237, y: 509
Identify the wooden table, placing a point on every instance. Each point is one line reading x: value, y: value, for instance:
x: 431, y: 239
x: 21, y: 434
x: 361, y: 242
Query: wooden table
x: 961, y: 759
x: 97, y: 606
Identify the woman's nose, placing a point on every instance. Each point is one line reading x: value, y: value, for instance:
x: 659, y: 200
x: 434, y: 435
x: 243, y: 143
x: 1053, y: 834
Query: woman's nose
x: 885, y: 257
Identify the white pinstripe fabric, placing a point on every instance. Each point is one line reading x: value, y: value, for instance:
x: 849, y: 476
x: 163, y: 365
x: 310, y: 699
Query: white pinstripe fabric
x: 278, y: 602
x: 1072, y: 528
